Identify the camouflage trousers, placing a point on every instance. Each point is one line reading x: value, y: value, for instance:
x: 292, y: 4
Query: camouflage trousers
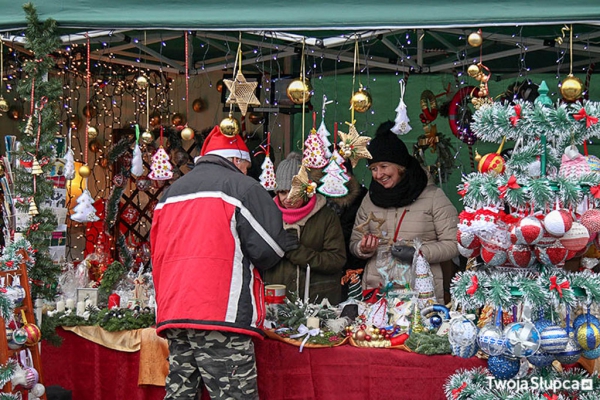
x: 223, y: 361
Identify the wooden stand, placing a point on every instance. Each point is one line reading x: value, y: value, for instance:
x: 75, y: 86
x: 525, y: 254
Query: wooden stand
x: 27, y: 307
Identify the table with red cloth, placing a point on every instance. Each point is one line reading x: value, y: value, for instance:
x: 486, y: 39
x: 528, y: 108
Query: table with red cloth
x: 94, y: 372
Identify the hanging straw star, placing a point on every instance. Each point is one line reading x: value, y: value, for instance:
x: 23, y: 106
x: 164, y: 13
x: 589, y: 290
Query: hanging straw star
x: 353, y: 146
x: 302, y: 186
x: 241, y: 91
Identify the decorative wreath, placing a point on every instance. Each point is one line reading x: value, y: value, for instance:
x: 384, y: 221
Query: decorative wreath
x: 429, y: 107
x: 459, y: 114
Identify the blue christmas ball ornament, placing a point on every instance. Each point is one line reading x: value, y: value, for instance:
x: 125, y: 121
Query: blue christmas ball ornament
x: 553, y: 339
x: 541, y: 359
x: 583, y: 318
x: 491, y: 340
x: 588, y: 336
x: 570, y: 354
x: 542, y: 324
x: 591, y: 354
x: 465, y: 351
x: 436, y: 321
x: 522, y: 339
x: 503, y: 367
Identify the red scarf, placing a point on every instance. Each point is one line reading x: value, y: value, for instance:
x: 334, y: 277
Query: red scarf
x: 293, y: 215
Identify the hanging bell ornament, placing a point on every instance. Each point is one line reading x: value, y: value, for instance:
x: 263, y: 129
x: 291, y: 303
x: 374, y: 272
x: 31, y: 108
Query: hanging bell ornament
x: 475, y: 39
x: 187, y: 133
x: 33, y: 210
x: 36, y: 168
x: 299, y: 91
x: 198, y: 105
x: 230, y: 126
x: 3, y: 105
x: 141, y: 82
x: 92, y: 133
x: 571, y: 88
x: 29, y: 127
x: 361, y: 100
x: 84, y: 171
x: 474, y: 70
x: 147, y: 137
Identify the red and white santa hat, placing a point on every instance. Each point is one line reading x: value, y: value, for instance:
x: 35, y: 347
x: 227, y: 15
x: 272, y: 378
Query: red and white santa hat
x: 224, y: 146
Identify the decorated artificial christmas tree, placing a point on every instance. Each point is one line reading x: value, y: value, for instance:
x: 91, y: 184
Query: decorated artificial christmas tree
x: 42, y: 40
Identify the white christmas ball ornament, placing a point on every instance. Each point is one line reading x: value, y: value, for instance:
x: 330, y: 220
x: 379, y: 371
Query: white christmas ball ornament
x: 522, y: 339
x: 558, y: 222
x: 576, y: 238
x: 38, y: 390
x: 529, y: 231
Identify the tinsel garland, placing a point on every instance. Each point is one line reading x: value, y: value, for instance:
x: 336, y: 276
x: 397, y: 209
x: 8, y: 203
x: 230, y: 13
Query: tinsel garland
x: 428, y: 343
x: 553, y: 286
x: 12, y: 255
x: 7, y: 370
x: 474, y: 384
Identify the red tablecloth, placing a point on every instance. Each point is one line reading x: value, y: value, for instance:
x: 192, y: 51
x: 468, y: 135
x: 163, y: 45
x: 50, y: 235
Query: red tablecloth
x: 94, y: 372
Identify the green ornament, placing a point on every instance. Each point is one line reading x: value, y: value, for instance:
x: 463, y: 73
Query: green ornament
x: 543, y: 99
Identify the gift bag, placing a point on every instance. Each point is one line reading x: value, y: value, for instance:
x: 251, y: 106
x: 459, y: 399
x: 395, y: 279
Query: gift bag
x: 397, y: 276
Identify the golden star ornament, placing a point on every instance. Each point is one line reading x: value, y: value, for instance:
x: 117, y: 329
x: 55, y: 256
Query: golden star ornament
x: 302, y: 186
x: 241, y: 92
x: 353, y: 146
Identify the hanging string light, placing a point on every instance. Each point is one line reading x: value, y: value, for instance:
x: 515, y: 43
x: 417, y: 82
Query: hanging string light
x: 187, y: 133
x: 4, y: 107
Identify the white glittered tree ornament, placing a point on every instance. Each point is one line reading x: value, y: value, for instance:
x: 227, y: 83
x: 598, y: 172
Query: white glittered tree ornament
x: 322, y: 131
x: 313, y: 155
x: 401, y: 126
x: 267, y: 176
x: 333, y: 182
x: 69, y: 170
x: 424, y: 284
x: 137, y: 163
x: 161, y: 168
x: 84, y: 211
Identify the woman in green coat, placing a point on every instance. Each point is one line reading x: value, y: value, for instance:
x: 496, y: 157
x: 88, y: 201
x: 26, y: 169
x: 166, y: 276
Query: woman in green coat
x: 320, y: 235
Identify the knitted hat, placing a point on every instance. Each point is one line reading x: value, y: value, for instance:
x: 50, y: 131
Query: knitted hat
x: 286, y: 171
x: 386, y: 146
x: 221, y: 145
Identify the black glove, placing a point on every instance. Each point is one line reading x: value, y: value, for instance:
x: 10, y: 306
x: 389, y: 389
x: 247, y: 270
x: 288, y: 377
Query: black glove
x: 404, y: 254
x: 290, y: 241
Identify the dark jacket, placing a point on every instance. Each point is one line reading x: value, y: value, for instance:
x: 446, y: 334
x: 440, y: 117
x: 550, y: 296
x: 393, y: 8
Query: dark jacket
x: 212, y: 231
x: 322, y: 247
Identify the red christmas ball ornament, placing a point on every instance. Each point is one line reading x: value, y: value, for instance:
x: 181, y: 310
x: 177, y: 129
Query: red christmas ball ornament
x: 492, y: 162
x: 591, y: 220
x: 529, y: 231
x: 512, y: 233
x: 468, y: 253
x: 467, y: 240
x: 555, y: 254
x: 576, y: 238
x: 493, y: 257
x: 520, y: 256
x: 558, y: 222
x: 34, y: 334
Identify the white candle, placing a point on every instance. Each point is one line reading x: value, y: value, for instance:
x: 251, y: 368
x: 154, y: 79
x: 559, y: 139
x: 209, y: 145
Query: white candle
x: 80, y: 307
x: 70, y: 304
x: 60, y: 306
x: 306, y: 283
x: 312, y: 322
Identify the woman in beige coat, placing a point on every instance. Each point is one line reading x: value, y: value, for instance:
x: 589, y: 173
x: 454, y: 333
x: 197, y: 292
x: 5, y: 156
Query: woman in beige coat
x: 406, y: 205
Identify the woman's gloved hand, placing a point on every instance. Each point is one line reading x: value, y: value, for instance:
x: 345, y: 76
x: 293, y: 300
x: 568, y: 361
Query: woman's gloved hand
x: 404, y: 254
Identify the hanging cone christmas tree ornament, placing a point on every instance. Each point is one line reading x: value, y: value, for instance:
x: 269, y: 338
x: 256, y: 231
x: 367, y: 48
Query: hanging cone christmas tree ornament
x: 401, y: 123
x: 333, y: 182
x: 313, y: 155
x: 69, y: 169
x: 424, y: 284
x: 161, y: 168
x: 267, y: 176
x: 137, y: 164
x: 84, y: 211
x: 353, y: 146
x: 29, y: 126
x: 33, y: 210
x: 322, y: 131
x: 36, y: 168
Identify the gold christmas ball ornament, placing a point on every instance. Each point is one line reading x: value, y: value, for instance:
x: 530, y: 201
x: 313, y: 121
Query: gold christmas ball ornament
x: 147, y: 137
x: 92, y: 133
x: 571, y: 88
x: 3, y: 105
x: 178, y: 119
x: 187, y: 133
x: 84, y: 171
x: 299, y: 91
x: 473, y: 70
x: 230, y: 126
x: 475, y: 39
x: 198, y: 105
x: 141, y: 82
x: 361, y: 100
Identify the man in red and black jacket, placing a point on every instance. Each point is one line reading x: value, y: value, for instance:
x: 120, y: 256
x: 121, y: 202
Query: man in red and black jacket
x: 212, y: 233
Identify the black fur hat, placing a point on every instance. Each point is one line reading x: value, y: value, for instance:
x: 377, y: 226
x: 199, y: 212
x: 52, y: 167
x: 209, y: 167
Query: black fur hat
x: 386, y: 146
